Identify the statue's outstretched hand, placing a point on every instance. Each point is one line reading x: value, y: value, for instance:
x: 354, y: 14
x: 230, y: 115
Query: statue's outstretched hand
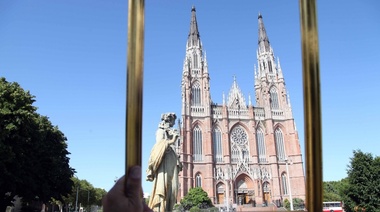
x: 120, y: 198
x: 175, y: 136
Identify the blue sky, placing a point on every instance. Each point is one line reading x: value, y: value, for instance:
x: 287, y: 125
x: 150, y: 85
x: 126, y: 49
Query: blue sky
x: 72, y: 56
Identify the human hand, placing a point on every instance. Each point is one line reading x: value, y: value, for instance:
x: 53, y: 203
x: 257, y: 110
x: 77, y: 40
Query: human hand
x: 121, y: 199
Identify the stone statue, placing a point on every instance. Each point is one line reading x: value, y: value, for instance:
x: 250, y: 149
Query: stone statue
x: 163, y: 166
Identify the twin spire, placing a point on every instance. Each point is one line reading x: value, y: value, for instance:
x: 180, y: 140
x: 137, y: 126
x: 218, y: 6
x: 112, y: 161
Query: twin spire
x: 263, y: 38
x: 235, y: 97
x: 193, y: 38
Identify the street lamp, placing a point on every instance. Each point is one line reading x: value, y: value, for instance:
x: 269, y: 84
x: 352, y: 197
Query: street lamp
x: 76, y: 199
x: 290, y: 190
x: 88, y: 200
x: 228, y: 178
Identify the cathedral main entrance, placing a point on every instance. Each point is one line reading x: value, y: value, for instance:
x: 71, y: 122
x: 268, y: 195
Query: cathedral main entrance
x: 241, y: 199
x: 244, y: 198
x: 244, y: 190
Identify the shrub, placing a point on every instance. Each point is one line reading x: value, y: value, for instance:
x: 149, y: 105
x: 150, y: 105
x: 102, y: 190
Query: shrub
x: 195, y: 209
x: 214, y: 209
x: 297, y: 204
x: 196, y: 197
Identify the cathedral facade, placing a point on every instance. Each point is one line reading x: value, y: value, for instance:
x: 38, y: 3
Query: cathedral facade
x: 238, y: 153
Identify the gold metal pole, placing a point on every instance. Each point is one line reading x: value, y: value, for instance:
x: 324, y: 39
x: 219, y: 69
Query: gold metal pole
x: 312, y: 105
x: 135, y: 62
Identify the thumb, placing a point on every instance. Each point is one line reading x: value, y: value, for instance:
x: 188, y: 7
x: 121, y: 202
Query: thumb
x: 133, y: 184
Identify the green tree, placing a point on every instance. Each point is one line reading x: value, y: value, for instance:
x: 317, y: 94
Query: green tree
x: 99, y: 193
x: 87, y: 194
x: 196, y: 197
x: 333, y: 190
x: 363, y: 183
x: 298, y: 204
x: 34, y: 161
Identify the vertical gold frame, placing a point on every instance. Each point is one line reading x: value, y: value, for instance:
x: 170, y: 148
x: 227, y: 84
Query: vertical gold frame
x: 135, y: 62
x: 311, y: 88
x: 312, y: 104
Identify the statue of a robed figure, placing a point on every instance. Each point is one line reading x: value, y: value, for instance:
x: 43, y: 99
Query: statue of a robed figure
x: 164, y: 165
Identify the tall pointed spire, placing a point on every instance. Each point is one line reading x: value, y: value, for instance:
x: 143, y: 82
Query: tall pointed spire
x: 193, y: 38
x: 263, y: 38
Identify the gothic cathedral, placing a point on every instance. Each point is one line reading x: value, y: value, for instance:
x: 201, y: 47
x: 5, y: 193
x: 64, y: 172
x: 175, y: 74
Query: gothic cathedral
x: 235, y: 151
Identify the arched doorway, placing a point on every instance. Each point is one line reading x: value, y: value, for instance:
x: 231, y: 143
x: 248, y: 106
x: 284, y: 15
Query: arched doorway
x: 244, y: 191
x: 220, y: 191
x: 266, y: 192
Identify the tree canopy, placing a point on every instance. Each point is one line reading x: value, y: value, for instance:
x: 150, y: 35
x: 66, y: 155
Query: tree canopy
x: 34, y: 162
x: 196, y: 197
x: 87, y: 194
x: 333, y: 190
x: 298, y: 204
x: 362, y: 190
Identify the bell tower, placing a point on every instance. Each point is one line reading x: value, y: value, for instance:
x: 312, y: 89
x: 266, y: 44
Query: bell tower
x: 196, y: 113
x: 195, y: 76
x: 271, y: 93
x: 281, y: 136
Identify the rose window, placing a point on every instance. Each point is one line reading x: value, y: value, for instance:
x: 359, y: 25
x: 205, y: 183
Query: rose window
x: 239, y: 136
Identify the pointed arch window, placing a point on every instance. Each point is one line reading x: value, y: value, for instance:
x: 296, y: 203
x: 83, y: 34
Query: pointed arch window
x: 197, y: 143
x: 196, y: 94
x: 286, y: 99
x: 239, y: 145
x: 235, y: 155
x: 280, y: 147
x: 270, y: 67
x: 261, y: 146
x: 284, y: 183
x: 198, y: 180
x: 217, y: 140
x: 274, y: 98
x: 195, y: 59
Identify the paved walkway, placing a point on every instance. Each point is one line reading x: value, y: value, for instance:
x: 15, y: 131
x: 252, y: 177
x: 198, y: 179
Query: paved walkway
x: 246, y: 208
x: 269, y: 208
